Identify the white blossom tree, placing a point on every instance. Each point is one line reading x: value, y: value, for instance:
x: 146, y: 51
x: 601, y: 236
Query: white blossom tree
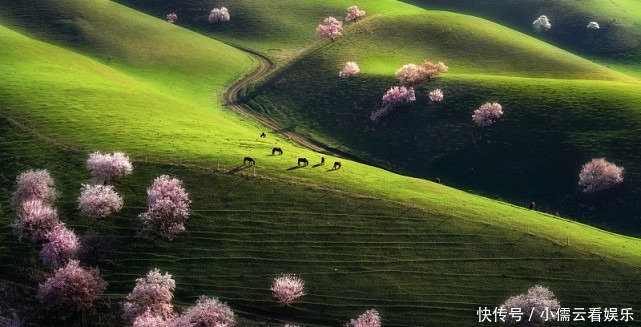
x: 487, y: 114
x: 288, y: 288
x: 599, y: 174
x: 541, y: 24
x: 539, y: 302
x: 219, y: 15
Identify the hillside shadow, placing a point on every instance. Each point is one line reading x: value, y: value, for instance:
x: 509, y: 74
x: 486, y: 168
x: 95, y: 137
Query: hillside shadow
x: 237, y: 169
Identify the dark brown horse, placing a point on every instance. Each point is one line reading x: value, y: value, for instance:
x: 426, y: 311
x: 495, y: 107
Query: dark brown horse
x: 263, y: 135
x: 303, y: 161
x: 337, y: 165
x: 437, y: 180
x: 249, y: 160
x: 322, y: 161
x: 532, y: 205
x: 277, y: 150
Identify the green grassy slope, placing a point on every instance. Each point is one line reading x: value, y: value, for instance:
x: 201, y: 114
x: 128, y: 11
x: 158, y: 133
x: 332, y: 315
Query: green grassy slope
x: 434, y: 253
x: 616, y: 43
x: 551, y: 127
x: 280, y: 29
x: 423, y: 265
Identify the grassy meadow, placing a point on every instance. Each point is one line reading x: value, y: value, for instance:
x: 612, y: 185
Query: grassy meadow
x: 97, y: 75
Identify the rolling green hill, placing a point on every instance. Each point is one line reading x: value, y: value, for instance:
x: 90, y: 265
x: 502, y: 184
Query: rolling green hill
x: 617, y: 43
x: 101, y: 76
x: 561, y: 111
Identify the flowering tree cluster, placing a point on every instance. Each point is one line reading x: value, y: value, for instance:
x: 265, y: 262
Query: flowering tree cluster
x: 35, y: 220
x: 61, y: 246
x: 370, y: 318
x: 436, y: 95
x: 411, y: 74
x: 34, y: 185
x: 172, y: 17
x: 541, y: 24
x: 394, y: 97
x: 219, y: 15
x: 351, y: 68
x: 599, y: 174
x: 331, y: 28
x: 99, y: 201
x: 71, y: 288
x: 152, y: 296
x: 104, y: 167
x: 288, y: 288
x: 208, y: 312
x: 168, y: 207
x: 536, y: 302
x: 487, y: 114
x: 593, y: 25
x: 353, y: 13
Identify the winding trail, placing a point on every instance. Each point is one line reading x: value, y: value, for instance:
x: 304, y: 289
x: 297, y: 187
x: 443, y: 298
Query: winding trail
x: 233, y: 103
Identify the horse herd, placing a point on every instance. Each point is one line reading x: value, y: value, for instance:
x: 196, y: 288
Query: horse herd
x: 301, y: 161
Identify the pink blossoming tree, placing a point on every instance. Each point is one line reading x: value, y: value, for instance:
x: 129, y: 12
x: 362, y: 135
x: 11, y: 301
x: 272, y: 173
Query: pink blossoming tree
x: 71, y: 288
x: 168, y: 207
x: 172, y: 17
x: 104, y: 167
x: 353, y: 13
x: 408, y: 74
x: 331, y: 28
x: 152, y: 294
x: 394, y: 97
x: 539, y: 302
x: 35, y: 220
x: 34, y: 185
x: 487, y: 114
x: 148, y: 319
x: 436, y: 95
x: 599, y: 174
x: 62, y: 245
x: 351, y: 68
x: 411, y: 74
x: 208, y: 312
x: 429, y: 70
x: 219, y: 15
x: 99, y: 201
x: 288, y: 288
x: 370, y: 318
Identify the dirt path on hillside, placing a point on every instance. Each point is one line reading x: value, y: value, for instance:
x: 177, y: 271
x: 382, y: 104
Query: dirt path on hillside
x: 233, y: 103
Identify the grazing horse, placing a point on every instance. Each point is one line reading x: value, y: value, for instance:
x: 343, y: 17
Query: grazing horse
x: 303, y: 161
x: 249, y: 160
x: 322, y: 161
x: 337, y: 165
x: 263, y: 135
x: 532, y: 205
x: 437, y: 180
x: 277, y: 150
